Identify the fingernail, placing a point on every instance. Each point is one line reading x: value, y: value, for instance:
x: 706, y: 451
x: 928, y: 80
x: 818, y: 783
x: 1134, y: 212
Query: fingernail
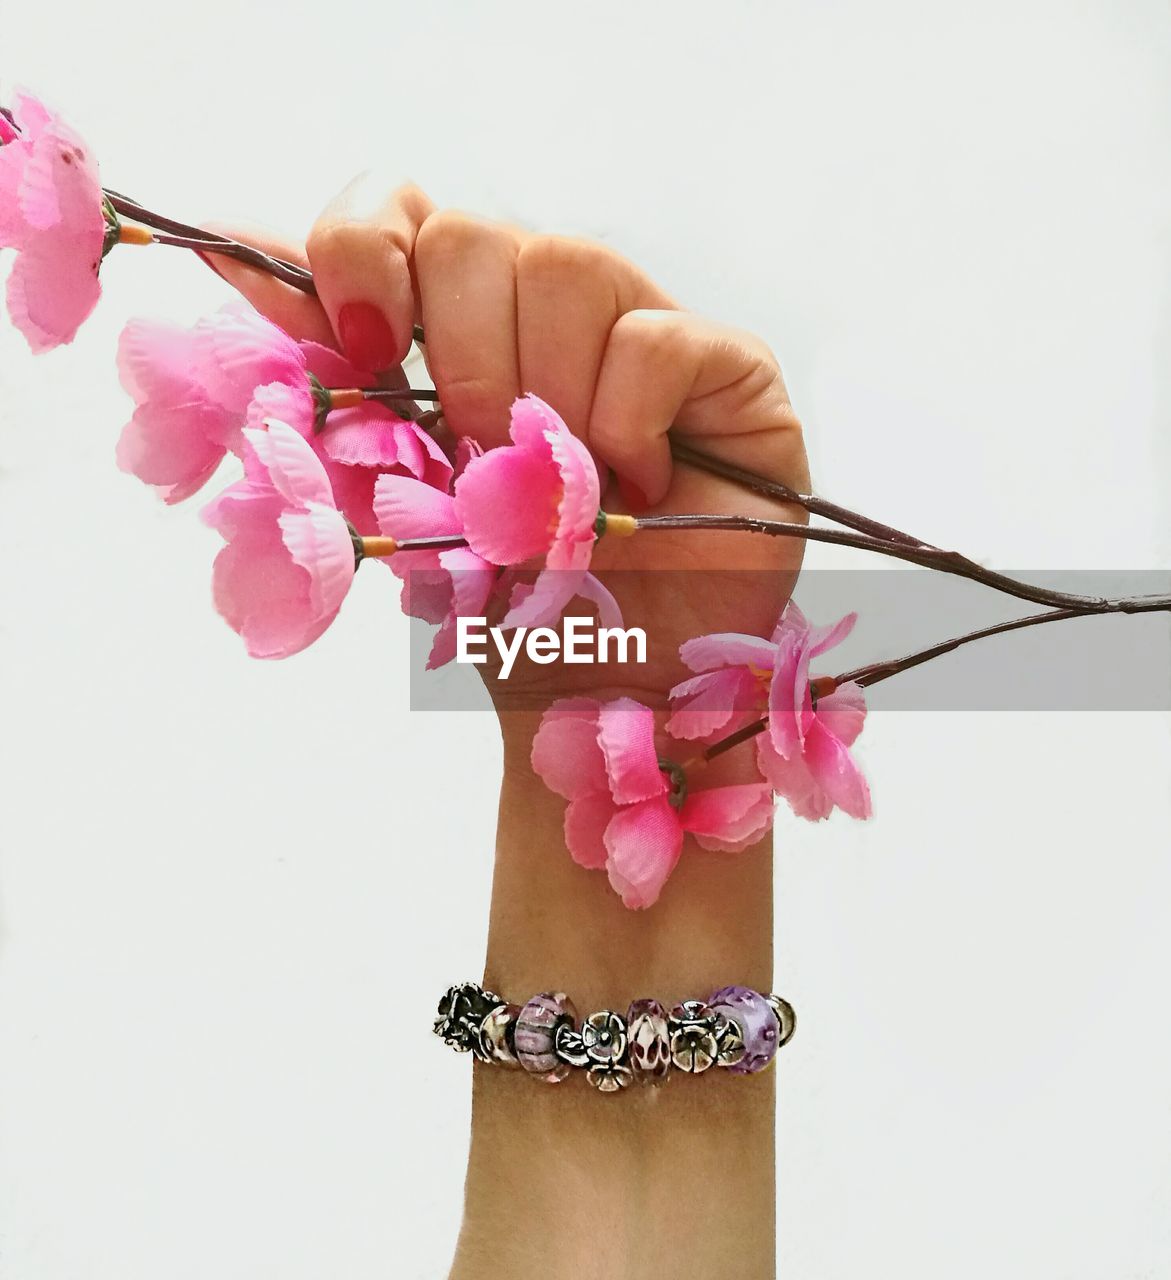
x: 366, y: 336
x: 632, y: 495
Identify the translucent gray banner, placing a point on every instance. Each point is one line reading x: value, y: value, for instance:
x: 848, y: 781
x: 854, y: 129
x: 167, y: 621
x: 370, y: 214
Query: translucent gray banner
x: 1114, y: 662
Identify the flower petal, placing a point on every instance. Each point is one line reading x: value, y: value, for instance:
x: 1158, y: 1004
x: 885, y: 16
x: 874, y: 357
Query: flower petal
x: 586, y: 820
x: 577, y: 510
x: 171, y: 453
x: 239, y: 350
x: 53, y: 287
x: 371, y: 435
x: 716, y: 701
x: 728, y: 649
x: 843, y: 712
x: 290, y: 403
x: 609, y: 614
x: 264, y: 596
x: 319, y: 541
x: 793, y: 780
x: 834, y: 770
x: 566, y: 754
x: 824, y: 638
x: 293, y: 469
x: 787, y: 691
x: 541, y: 603
x: 408, y: 508
x: 728, y: 819
x: 507, y: 504
x: 472, y: 581
x: 155, y: 362
x: 643, y: 842
x: 626, y: 733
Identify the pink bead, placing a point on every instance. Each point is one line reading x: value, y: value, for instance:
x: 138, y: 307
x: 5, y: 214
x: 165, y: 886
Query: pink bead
x: 536, y: 1031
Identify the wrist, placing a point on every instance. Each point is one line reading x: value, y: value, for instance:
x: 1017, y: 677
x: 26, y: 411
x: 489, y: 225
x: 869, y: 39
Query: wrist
x: 556, y: 924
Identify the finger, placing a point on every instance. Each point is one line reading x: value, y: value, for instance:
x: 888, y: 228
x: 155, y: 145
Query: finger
x: 466, y: 270
x: 298, y: 314
x: 569, y: 295
x: 719, y: 387
x: 360, y: 250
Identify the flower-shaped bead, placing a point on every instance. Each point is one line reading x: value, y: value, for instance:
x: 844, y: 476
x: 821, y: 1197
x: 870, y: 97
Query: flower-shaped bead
x: 603, y: 1035
x: 694, y: 1031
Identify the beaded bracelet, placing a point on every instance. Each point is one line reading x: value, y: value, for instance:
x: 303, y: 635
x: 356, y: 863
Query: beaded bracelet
x: 735, y: 1027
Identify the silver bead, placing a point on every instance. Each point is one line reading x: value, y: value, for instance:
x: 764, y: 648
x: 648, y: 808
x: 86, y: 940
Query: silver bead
x: 692, y: 1027
x: 603, y: 1035
x: 609, y: 1077
x: 496, y: 1032
x: 649, y: 1042
x: 569, y: 1047
x: 786, y: 1018
x: 730, y: 1039
x: 461, y: 1011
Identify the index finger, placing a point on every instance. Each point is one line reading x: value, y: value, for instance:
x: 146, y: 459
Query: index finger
x: 299, y: 314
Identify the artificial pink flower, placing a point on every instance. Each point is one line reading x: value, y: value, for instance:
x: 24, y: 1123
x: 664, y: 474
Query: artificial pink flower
x: 197, y: 388
x: 289, y: 559
x: 192, y: 388
x: 51, y: 214
x: 538, y: 496
x: 602, y: 758
x: 804, y: 750
x: 357, y: 444
x: 438, y: 586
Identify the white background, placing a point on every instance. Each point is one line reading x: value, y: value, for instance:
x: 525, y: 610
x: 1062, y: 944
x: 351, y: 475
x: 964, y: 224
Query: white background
x: 230, y: 892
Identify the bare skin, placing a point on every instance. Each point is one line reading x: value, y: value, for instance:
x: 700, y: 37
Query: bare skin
x: 564, y: 1181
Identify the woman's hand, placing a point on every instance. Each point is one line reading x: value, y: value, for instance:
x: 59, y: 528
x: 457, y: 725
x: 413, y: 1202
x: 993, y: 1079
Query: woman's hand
x: 507, y: 312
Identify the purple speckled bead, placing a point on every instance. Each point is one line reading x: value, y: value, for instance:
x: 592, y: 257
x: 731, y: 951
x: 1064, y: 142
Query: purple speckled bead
x: 536, y: 1029
x: 757, y: 1022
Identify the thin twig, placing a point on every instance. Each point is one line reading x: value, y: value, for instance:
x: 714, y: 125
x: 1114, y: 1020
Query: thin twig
x: 211, y: 242
x: 401, y: 393
x: 774, y: 489
x: 929, y: 557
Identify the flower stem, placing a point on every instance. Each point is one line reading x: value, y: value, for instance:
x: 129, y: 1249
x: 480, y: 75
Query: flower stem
x: 210, y: 242
x: 374, y: 548
x: 380, y: 394
x: 950, y: 562
x: 441, y: 543
x: 876, y: 672
x: 774, y: 489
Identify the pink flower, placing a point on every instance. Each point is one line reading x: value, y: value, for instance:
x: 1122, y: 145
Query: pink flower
x: 438, y: 586
x: 289, y: 559
x: 196, y: 389
x: 356, y: 445
x: 51, y: 214
x: 538, y: 496
x: 623, y: 815
x: 804, y: 750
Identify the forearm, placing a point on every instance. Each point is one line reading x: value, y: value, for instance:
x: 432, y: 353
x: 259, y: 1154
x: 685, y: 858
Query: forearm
x: 564, y: 1180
